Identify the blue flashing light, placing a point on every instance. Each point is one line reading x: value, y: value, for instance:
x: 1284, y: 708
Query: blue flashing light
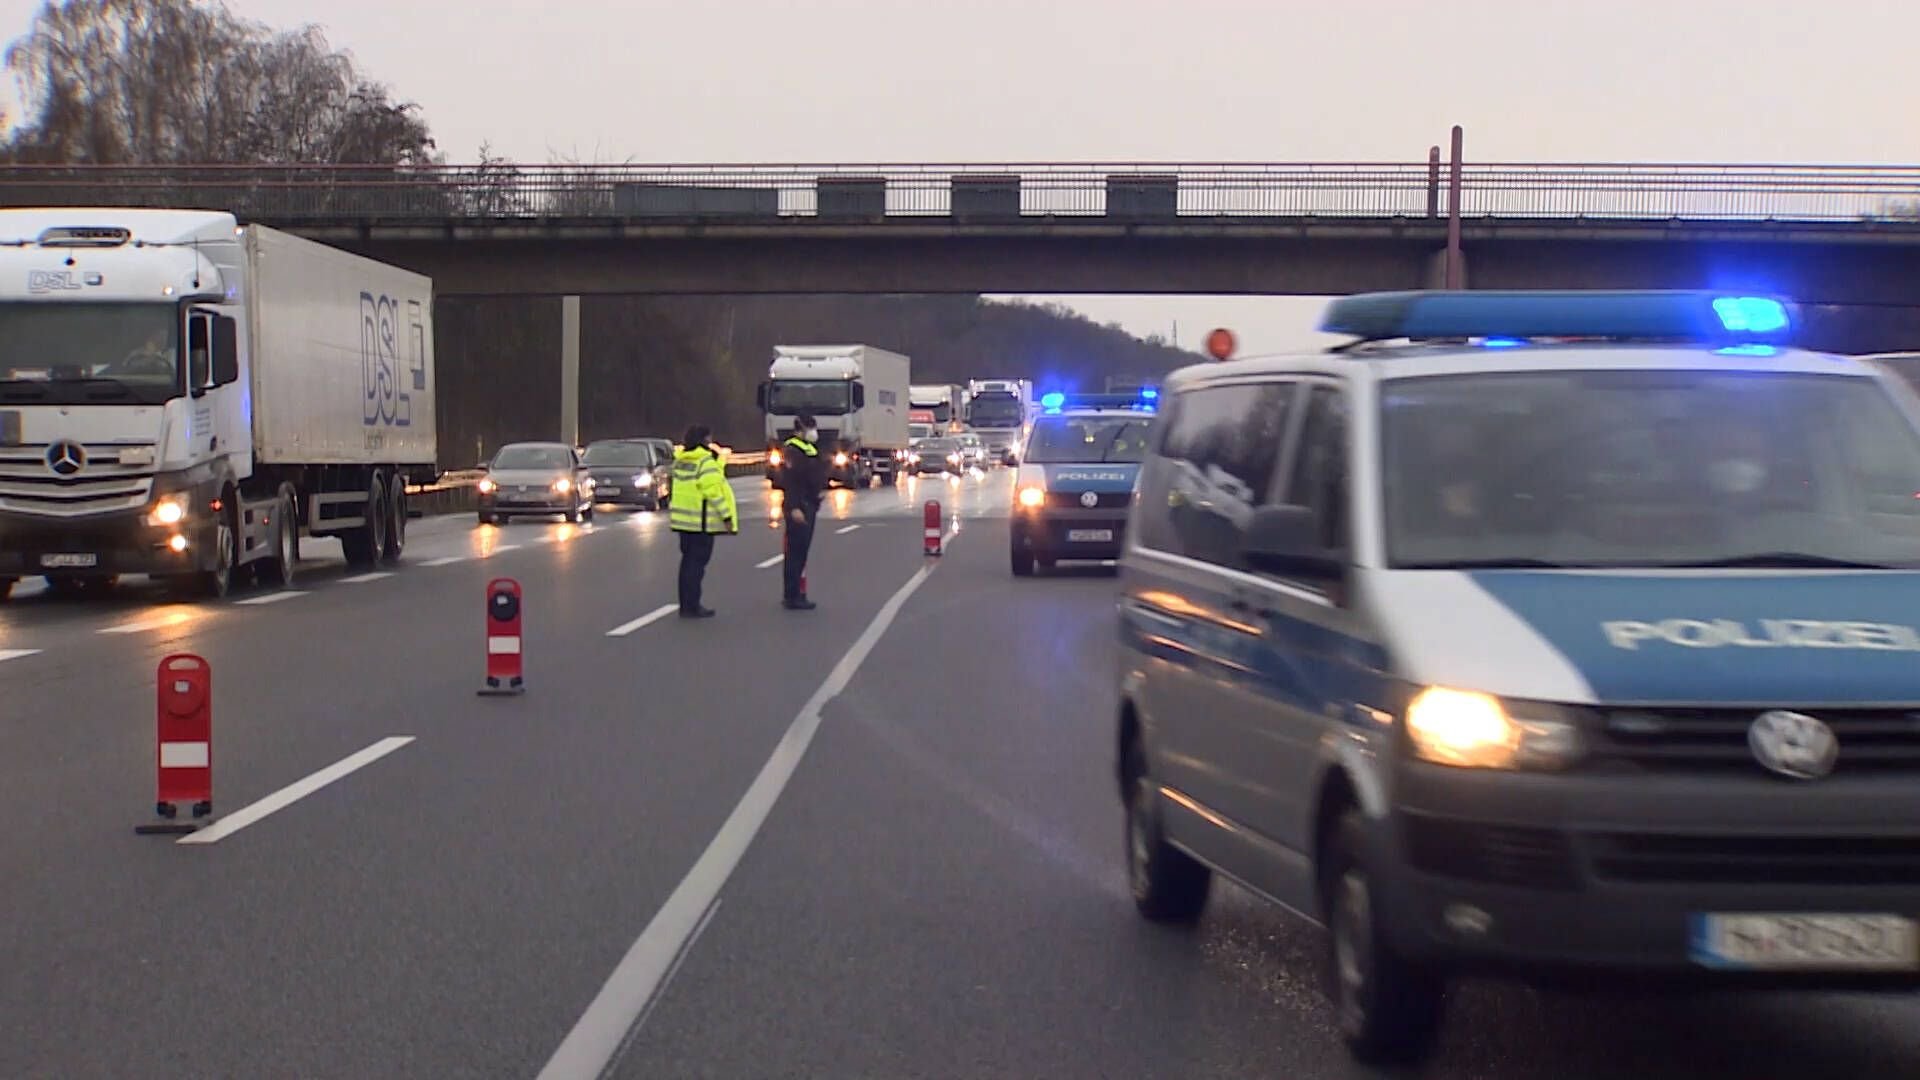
x: 1149, y: 394
x: 1751, y: 314
x: 1053, y: 400
x: 1506, y: 317
x: 1502, y: 343
x: 1748, y: 350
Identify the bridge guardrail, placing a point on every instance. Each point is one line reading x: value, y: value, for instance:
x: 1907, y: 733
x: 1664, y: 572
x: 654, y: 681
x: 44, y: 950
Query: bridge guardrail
x: 1004, y: 194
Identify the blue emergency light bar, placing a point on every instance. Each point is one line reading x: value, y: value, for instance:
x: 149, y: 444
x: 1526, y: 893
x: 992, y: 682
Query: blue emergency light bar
x: 1145, y: 400
x: 1507, y: 319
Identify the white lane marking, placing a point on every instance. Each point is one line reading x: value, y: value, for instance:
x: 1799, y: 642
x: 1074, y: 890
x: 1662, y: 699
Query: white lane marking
x: 295, y: 791
x: 272, y: 598
x: 445, y: 560
x: 358, y: 578
x: 646, y: 620
x: 15, y: 654
x: 764, y: 563
x: 174, y: 619
x: 601, y: 1031
x: 500, y: 549
x: 845, y: 531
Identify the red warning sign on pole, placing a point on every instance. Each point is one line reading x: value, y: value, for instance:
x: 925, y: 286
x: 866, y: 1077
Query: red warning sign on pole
x: 184, y: 743
x: 1221, y: 343
x: 504, y: 675
x: 933, y: 527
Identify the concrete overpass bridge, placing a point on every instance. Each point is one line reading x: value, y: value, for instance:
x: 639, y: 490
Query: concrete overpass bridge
x: 1828, y: 235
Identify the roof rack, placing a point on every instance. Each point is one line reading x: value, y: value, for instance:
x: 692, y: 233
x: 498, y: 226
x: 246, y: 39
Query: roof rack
x: 1512, y: 318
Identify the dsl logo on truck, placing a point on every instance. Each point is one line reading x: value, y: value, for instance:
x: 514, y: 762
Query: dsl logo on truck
x: 66, y: 457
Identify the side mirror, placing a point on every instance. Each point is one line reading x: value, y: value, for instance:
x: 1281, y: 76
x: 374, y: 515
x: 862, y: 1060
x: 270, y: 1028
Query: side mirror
x: 1286, y: 540
x: 226, y: 351
x: 760, y: 396
x: 859, y: 396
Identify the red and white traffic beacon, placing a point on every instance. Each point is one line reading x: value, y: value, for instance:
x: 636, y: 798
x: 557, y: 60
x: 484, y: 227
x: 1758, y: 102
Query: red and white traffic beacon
x: 504, y: 675
x: 933, y: 527
x: 184, y: 745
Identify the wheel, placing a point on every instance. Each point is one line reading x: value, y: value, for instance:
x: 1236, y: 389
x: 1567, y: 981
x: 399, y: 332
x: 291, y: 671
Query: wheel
x: 6, y: 588
x: 1022, y: 563
x: 218, y: 582
x: 396, y: 522
x: 277, y: 572
x: 366, y: 545
x: 575, y: 515
x: 486, y: 518
x: 1168, y: 885
x: 1388, y: 1009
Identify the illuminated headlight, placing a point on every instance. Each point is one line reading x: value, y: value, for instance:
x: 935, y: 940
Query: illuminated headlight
x: 488, y: 487
x: 177, y: 543
x: 1472, y: 730
x: 912, y: 457
x: 840, y: 459
x: 954, y: 458
x: 1031, y: 496
x: 643, y: 480
x: 773, y: 457
x: 170, y: 510
x: 563, y: 485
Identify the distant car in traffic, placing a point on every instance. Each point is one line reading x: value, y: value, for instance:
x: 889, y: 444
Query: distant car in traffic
x: 630, y: 472
x: 973, y: 450
x: 536, y: 478
x: 936, y: 456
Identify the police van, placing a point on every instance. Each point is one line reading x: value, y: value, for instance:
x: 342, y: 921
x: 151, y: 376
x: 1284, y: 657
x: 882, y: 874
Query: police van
x: 1074, y: 484
x: 1542, y: 634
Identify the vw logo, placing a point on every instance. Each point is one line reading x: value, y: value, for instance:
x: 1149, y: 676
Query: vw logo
x: 1089, y: 499
x: 66, y: 457
x: 1793, y: 744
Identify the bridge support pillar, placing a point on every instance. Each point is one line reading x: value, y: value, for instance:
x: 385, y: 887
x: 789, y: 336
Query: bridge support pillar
x: 570, y: 370
x: 1437, y: 270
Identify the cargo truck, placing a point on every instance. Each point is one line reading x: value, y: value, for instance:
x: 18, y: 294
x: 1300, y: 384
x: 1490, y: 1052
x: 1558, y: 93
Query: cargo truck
x: 941, y: 406
x: 999, y: 410
x: 181, y: 394
x: 858, y: 394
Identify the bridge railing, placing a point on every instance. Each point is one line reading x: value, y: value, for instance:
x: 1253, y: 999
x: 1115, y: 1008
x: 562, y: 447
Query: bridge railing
x: 785, y: 194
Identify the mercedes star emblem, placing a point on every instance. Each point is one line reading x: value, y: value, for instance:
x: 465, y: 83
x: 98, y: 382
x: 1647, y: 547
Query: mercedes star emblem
x: 66, y: 457
x: 1793, y: 744
x: 1089, y: 499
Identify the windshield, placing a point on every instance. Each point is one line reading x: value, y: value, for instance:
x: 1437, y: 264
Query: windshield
x: 822, y: 397
x: 636, y: 455
x: 1639, y: 468
x: 919, y: 431
x: 942, y: 447
x: 77, y: 354
x: 997, y: 410
x: 534, y: 457
x: 1087, y: 439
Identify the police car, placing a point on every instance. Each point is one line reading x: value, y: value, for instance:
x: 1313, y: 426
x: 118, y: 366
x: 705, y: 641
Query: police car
x: 1538, y: 633
x: 1075, y: 477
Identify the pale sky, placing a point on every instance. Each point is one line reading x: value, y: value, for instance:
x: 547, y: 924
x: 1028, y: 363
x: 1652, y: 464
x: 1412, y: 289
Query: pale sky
x: 977, y: 81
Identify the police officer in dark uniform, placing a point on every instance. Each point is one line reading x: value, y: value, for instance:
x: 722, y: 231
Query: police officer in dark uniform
x: 803, y: 480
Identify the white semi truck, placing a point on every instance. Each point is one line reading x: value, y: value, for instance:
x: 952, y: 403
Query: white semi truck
x: 999, y: 410
x: 859, y: 396
x: 179, y: 394
x: 941, y: 406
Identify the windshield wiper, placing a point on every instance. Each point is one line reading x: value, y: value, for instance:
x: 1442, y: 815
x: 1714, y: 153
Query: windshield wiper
x: 1783, y: 560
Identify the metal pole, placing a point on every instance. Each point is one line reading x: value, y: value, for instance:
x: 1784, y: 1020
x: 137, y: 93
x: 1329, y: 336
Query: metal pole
x: 1453, y: 211
x: 1433, y: 182
x: 570, y: 370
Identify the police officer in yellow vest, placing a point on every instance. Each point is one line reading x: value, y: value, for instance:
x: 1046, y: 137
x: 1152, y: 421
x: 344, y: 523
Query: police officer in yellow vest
x: 701, y: 507
x: 803, y: 480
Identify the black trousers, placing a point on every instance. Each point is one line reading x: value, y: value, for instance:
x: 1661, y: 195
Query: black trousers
x: 799, y: 542
x: 695, y: 551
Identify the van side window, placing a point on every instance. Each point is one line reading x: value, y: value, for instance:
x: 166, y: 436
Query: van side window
x: 1217, y: 465
x: 1320, y: 480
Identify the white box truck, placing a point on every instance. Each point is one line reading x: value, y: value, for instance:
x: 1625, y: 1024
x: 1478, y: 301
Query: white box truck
x: 942, y: 407
x: 179, y: 394
x: 999, y: 410
x: 858, y: 394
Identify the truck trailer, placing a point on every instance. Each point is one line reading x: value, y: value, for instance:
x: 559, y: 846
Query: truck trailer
x: 857, y: 393
x: 180, y: 394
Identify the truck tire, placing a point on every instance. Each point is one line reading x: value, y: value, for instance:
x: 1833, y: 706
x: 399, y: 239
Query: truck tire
x: 396, y: 522
x: 218, y: 583
x: 276, y: 572
x: 365, y: 545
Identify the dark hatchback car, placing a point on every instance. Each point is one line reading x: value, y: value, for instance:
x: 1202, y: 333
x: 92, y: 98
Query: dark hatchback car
x: 630, y: 472
x: 936, y: 456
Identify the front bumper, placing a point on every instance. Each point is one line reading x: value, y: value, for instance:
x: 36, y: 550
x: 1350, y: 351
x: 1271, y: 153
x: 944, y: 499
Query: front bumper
x: 1050, y: 532
x: 103, y: 546
x: 1579, y: 875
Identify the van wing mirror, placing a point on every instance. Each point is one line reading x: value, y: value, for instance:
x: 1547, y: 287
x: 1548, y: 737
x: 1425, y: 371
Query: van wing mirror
x: 1286, y: 540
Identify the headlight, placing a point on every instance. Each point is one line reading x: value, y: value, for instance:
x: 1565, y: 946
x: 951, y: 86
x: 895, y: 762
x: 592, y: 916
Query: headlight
x: 773, y: 457
x: 1472, y: 730
x: 563, y: 485
x: 487, y: 486
x: 1031, y: 496
x: 643, y: 480
x: 840, y: 459
x: 170, y: 510
x: 954, y: 458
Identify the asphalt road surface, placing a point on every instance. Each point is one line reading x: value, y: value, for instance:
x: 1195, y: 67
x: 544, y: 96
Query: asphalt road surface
x: 880, y: 839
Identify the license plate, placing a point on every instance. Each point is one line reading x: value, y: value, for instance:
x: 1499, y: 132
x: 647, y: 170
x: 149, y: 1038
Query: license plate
x: 70, y: 560
x: 1806, y: 942
x: 606, y: 491
x: 1089, y: 536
